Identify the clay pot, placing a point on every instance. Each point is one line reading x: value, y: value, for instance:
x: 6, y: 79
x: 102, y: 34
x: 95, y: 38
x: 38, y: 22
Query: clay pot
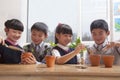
x: 26, y: 55
x: 94, y: 59
x: 108, y: 60
x: 50, y: 60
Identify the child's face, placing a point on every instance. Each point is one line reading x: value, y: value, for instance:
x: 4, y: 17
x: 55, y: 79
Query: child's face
x: 13, y: 34
x: 37, y: 36
x: 64, y: 39
x: 99, y: 35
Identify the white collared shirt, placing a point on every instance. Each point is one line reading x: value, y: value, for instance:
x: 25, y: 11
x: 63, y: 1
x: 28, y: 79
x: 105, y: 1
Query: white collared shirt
x: 99, y: 47
x: 110, y: 51
x: 40, y: 45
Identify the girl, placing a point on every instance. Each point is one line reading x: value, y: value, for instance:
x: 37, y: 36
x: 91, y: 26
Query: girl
x: 64, y: 54
x: 13, y: 29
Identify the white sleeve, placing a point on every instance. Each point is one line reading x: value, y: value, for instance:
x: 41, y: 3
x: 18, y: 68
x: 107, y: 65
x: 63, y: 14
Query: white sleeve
x: 55, y: 52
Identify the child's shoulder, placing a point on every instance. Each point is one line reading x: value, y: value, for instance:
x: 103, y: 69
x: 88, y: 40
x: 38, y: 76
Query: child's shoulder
x: 90, y: 46
x: 45, y: 44
x: 27, y: 44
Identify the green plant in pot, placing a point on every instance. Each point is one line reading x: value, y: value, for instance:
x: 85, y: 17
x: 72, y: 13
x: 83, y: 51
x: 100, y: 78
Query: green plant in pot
x: 74, y: 45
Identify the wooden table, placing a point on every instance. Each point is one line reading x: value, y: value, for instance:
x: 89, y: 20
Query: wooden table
x: 59, y: 72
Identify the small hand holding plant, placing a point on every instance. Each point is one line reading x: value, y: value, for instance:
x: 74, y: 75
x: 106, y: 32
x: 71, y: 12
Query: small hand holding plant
x: 53, y: 44
x: 77, y: 44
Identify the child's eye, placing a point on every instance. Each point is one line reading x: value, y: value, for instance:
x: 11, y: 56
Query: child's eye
x: 65, y: 35
x: 70, y: 35
x: 93, y: 34
x: 14, y: 32
x: 33, y: 34
x: 20, y: 32
x: 40, y: 36
x: 101, y: 33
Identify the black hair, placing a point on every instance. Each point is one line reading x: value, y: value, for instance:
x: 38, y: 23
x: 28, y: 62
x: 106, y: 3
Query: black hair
x: 14, y: 24
x: 40, y: 26
x: 100, y: 23
x: 64, y: 29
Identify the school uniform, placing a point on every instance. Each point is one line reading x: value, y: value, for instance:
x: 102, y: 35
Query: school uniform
x: 39, y: 51
x: 61, y: 50
x: 98, y: 49
x: 10, y: 56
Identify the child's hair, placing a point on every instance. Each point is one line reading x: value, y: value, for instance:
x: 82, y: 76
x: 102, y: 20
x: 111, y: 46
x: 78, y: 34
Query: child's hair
x: 101, y: 24
x: 40, y: 26
x: 14, y: 24
x: 64, y: 29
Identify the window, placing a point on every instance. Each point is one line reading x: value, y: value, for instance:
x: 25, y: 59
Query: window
x: 53, y: 12
x: 89, y: 11
x: 116, y: 19
x: 77, y: 13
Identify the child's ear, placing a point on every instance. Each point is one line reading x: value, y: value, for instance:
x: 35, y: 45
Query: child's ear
x: 46, y: 35
x: 6, y: 30
x: 108, y: 33
x: 57, y: 35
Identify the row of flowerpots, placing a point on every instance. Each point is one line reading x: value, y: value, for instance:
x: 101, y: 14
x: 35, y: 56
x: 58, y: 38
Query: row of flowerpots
x: 107, y: 60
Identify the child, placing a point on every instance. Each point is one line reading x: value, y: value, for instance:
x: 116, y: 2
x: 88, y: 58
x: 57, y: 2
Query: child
x: 100, y: 32
x: 64, y: 54
x: 38, y: 47
x: 13, y: 29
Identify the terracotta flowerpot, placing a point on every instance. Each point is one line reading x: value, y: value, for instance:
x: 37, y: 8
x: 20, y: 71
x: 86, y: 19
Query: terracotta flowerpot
x: 26, y: 55
x: 108, y: 60
x: 50, y: 60
x: 94, y: 59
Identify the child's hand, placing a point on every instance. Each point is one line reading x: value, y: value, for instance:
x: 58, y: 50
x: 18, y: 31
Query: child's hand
x: 110, y: 45
x: 79, y: 48
x: 117, y: 44
x: 28, y: 60
x: 90, y: 51
x: 2, y: 41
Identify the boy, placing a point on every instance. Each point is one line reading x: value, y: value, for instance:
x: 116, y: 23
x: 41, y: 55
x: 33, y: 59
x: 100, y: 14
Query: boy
x: 99, y: 31
x: 38, y: 47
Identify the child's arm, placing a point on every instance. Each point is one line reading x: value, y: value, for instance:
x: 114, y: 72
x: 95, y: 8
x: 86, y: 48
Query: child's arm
x: 117, y: 44
x: 111, y: 44
x: 67, y: 57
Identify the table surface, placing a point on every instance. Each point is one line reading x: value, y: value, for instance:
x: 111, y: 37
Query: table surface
x: 62, y: 70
